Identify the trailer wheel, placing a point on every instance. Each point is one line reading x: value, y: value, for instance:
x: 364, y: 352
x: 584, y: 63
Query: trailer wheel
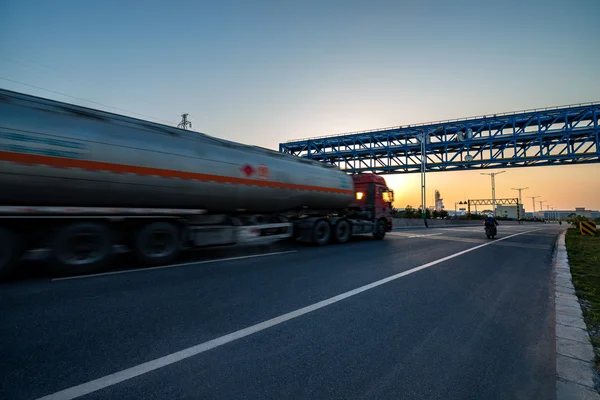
x: 380, y: 229
x: 321, y: 232
x: 9, y: 252
x: 157, y: 243
x: 342, y: 231
x: 80, y: 248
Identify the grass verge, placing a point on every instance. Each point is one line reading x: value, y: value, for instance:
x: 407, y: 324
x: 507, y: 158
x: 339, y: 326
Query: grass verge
x: 584, y: 260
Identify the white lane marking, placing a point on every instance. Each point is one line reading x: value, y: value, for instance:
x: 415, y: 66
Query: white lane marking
x: 173, y: 265
x: 462, y: 230
x: 509, y: 227
x: 129, y: 373
x: 408, y: 235
x: 431, y: 234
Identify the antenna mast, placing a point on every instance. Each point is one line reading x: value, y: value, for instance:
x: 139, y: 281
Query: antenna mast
x: 184, y: 124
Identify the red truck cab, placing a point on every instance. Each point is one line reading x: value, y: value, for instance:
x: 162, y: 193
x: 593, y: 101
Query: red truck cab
x: 373, y: 195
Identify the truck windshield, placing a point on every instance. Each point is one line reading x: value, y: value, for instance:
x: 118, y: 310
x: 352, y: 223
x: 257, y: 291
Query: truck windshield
x: 388, y: 195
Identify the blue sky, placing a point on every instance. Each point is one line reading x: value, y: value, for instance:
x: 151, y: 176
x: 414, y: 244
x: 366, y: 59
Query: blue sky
x: 263, y: 72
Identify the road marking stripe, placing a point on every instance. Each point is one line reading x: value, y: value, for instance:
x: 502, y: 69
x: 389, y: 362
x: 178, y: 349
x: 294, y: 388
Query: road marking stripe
x: 412, y: 235
x: 473, y: 240
x: 61, y: 162
x: 431, y: 234
x: 149, y: 366
x: 173, y: 265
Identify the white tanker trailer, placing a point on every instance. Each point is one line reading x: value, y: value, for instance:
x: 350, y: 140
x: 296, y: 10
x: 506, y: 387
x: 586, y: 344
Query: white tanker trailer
x: 77, y: 181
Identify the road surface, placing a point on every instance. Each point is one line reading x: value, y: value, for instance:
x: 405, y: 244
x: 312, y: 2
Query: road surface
x: 426, y: 313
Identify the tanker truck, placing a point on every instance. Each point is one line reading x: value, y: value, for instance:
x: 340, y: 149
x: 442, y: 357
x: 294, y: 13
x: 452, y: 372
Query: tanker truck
x: 78, y: 182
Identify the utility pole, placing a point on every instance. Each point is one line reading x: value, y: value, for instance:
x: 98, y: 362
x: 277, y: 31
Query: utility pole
x: 493, y: 175
x: 423, y: 137
x: 184, y: 122
x: 533, y: 201
x: 520, y: 198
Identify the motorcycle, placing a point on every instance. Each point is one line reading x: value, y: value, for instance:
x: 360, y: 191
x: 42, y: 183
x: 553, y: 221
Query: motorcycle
x: 490, y: 231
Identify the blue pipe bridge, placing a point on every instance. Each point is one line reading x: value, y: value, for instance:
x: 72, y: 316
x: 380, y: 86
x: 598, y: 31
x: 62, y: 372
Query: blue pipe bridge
x: 550, y: 136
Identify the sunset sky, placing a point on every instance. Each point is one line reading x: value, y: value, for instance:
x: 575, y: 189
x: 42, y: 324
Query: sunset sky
x: 264, y: 72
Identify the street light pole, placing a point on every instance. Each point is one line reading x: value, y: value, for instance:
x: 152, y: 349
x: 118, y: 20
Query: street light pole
x: 542, y: 205
x: 520, y: 198
x: 493, y: 175
x: 533, y: 201
x: 423, y: 138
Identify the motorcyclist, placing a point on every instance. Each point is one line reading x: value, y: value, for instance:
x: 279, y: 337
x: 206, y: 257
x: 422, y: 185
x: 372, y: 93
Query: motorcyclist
x: 491, y: 222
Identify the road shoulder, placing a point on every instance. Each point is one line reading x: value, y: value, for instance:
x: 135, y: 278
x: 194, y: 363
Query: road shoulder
x: 576, y: 378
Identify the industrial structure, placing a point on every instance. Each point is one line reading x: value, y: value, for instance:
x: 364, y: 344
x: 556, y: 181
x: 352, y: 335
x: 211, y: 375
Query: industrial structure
x: 184, y: 124
x: 549, y: 136
x: 491, y: 202
x: 439, y: 202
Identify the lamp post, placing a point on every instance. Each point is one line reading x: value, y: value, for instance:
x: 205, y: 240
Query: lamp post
x: 542, y: 206
x: 493, y: 175
x: 550, y: 214
x: 521, y: 200
x: 533, y: 201
x: 423, y: 137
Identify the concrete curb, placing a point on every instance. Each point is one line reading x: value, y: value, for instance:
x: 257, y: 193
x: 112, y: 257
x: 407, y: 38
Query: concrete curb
x: 575, y: 374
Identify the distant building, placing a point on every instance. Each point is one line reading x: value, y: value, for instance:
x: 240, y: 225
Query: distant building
x: 439, y: 202
x: 564, y: 214
x: 510, y: 211
x: 581, y: 211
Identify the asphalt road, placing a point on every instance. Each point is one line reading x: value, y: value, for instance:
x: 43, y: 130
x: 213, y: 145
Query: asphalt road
x: 475, y: 322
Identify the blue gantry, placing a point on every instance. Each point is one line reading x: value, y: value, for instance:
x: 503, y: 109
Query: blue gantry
x: 549, y: 136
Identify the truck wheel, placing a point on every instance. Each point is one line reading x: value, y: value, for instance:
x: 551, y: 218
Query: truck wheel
x: 9, y: 252
x: 157, y: 243
x: 342, y: 231
x: 321, y: 232
x: 380, y: 229
x: 80, y: 248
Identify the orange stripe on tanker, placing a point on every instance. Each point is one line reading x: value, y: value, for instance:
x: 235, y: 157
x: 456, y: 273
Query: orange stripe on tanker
x: 61, y: 162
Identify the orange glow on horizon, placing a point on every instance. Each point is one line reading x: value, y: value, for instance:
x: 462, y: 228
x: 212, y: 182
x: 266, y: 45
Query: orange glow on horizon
x: 560, y: 187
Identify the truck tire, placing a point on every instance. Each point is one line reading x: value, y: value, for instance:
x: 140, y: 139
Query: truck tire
x: 380, y: 229
x: 342, y: 231
x: 9, y: 252
x: 80, y: 248
x: 321, y: 233
x: 157, y: 243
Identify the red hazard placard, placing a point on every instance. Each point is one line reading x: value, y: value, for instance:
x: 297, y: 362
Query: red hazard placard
x: 247, y: 170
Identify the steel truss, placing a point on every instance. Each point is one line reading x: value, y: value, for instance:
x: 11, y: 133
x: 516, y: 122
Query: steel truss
x: 551, y: 136
x: 492, y: 202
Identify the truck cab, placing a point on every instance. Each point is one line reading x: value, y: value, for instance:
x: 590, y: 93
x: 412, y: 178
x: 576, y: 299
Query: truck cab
x: 373, y: 196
